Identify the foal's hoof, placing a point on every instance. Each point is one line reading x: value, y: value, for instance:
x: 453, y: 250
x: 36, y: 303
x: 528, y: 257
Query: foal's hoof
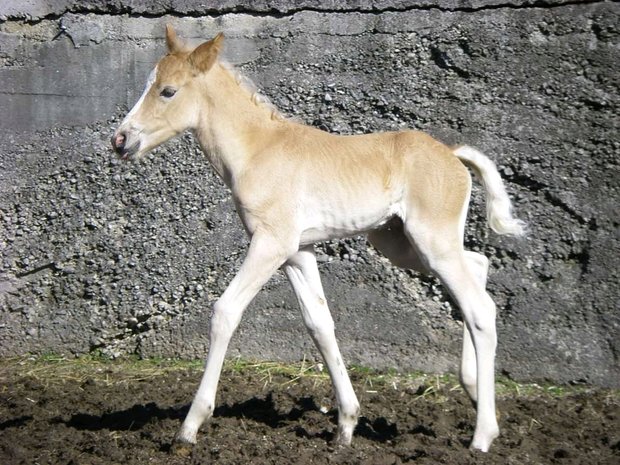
x: 181, y: 448
x: 482, y: 441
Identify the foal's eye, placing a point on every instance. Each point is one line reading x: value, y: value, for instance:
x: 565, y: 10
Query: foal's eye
x: 168, y: 92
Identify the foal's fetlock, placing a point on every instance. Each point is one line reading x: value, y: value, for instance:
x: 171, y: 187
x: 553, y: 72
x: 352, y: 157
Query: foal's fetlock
x: 346, y: 427
x: 344, y: 435
x: 471, y: 390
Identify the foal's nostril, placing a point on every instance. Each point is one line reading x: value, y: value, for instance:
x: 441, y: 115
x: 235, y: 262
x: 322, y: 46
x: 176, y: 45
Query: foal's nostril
x: 118, y: 142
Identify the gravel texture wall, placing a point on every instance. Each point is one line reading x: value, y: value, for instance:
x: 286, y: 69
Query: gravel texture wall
x: 128, y: 258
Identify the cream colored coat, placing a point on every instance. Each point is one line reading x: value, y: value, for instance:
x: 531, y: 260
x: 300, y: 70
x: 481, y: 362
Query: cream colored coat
x: 295, y: 185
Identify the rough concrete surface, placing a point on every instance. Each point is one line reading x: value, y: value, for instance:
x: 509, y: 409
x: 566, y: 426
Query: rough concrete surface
x: 128, y: 258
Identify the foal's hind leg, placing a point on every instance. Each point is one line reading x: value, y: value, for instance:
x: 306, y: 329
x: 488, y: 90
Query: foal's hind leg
x: 392, y: 242
x: 479, y: 265
x: 301, y: 270
x: 442, y: 251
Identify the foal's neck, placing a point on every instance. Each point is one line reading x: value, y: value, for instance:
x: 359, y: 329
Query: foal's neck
x: 234, y: 127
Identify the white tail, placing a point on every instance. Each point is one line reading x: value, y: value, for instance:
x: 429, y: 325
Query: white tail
x: 499, y: 208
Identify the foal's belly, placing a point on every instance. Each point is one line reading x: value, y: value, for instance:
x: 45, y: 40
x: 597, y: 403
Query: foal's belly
x: 320, y: 224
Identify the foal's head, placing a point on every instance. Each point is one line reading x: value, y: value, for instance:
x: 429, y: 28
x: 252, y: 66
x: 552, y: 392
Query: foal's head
x: 169, y: 104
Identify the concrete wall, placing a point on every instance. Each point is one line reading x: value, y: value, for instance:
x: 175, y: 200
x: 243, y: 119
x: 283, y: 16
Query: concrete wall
x: 101, y: 255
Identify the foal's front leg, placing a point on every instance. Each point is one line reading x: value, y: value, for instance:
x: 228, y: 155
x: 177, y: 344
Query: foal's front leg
x: 301, y: 270
x: 264, y: 257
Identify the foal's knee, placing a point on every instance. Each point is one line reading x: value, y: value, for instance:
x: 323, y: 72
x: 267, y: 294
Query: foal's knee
x: 224, y: 319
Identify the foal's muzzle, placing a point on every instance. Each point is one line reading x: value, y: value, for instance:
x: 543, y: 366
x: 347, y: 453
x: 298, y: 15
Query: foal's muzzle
x: 120, y: 146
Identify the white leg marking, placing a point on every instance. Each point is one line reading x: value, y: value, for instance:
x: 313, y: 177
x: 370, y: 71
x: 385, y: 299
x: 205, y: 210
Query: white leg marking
x: 302, y: 272
x: 264, y: 257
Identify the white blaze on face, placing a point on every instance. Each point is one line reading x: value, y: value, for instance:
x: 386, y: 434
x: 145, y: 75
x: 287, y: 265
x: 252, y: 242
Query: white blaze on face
x: 149, y: 83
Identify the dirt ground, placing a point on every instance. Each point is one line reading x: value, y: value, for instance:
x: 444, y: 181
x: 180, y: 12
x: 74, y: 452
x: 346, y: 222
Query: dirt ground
x: 94, y: 412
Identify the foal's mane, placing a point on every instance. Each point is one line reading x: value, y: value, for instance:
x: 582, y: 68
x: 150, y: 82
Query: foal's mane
x: 246, y: 84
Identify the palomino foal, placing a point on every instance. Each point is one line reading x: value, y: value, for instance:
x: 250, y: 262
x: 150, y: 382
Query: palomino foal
x: 294, y: 185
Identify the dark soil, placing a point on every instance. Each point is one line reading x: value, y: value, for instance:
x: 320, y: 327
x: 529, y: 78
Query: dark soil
x: 110, y: 413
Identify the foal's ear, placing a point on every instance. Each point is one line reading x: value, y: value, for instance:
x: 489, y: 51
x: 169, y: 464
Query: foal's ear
x: 172, y: 40
x: 205, y: 54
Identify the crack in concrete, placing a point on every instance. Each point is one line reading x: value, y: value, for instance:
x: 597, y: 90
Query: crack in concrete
x: 273, y: 12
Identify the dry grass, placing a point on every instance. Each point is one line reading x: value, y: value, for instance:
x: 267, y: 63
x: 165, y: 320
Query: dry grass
x: 54, y: 369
